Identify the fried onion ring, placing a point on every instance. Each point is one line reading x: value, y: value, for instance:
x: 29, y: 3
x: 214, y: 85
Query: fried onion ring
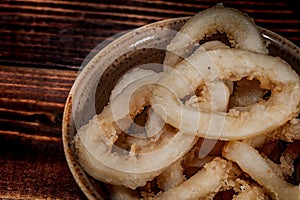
x: 206, y: 181
x: 273, y: 73
x: 250, y: 193
x: 251, y: 162
x: 171, y: 177
x: 122, y: 193
x: 241, y: 32
x: 95, y: 141
x: 128, y: 78
x: 289, y: 132
x: 154, y: 124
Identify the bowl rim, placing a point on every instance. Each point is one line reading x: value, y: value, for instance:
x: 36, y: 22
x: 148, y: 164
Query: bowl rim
x: 82, y: 179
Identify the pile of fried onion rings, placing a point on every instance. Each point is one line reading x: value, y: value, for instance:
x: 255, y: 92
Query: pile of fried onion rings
x: 207, y: 127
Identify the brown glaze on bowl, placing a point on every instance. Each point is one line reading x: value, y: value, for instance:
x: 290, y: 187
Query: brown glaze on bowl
x: 112, y: 71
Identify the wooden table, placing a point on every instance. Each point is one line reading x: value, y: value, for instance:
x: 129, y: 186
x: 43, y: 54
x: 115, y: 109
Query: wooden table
x: 43, y: 44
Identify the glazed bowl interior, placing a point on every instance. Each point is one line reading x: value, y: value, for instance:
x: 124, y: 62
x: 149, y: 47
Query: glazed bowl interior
x: 91, y: 90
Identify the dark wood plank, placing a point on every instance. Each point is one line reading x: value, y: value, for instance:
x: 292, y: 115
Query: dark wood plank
x: 34, y: 168
x: 59, y: 34
x: 32, y: 162
x: 32, y: 100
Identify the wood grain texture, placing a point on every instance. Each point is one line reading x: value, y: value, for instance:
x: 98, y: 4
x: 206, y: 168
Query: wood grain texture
x: 32, y: 99
x: 34, y: 168
x: 32, y: 162
x: 60, y: 34
x: 42, y: 45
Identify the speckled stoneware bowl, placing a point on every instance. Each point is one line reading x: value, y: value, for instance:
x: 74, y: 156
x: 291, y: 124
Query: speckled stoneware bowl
x: 103, y: 70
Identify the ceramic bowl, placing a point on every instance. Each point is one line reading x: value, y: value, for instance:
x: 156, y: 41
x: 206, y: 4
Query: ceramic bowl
x: 102, y: 70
